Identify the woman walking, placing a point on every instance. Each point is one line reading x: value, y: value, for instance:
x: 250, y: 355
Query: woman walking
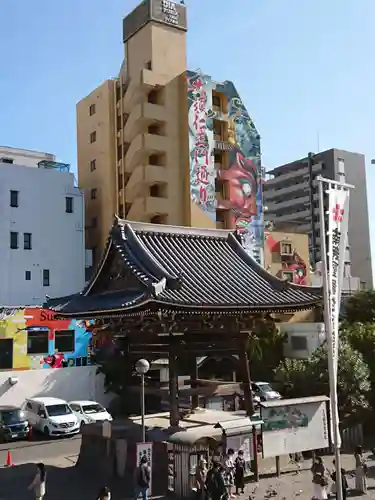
x: 229, y: 473
x: 39, y: 482
x: 320, y: 481
x: 239, y: 473
x: 360, y: 470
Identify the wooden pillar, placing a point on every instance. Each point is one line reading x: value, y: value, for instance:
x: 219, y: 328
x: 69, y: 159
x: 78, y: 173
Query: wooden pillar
x: 193, y: 380
x: 246, y: 380
x: 173, y: 386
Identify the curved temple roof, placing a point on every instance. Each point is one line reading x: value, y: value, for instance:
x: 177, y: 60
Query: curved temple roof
x: 182, y: 268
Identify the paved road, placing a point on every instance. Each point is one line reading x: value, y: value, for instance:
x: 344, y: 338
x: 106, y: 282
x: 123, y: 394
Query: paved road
x: 25, y: 451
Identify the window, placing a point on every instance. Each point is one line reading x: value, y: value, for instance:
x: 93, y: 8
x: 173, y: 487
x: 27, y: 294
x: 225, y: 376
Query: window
x: 92, y: 109
x: 286, y: 249
x: 65, y: 340
x: 148, y: 65
x: 45, y: 277
x: 28, y: 275
x: 6, y: 354
x: 94, y: 222
x: 13, y: 240
x: 288, y: 276
x: 94, y: 192
x: 37, y: 341
x: 69, y: 204
x: 14, y: 199
x: 216, y: 101
x: 218, y: 158
x: 93, y: 136
x: 92, y: 165
x: 298, y: 343
x: 27, y: 245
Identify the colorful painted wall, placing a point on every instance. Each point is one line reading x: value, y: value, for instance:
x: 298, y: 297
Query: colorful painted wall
x: 15, y: 325
x: 243, y: 170
x: 294, y: 267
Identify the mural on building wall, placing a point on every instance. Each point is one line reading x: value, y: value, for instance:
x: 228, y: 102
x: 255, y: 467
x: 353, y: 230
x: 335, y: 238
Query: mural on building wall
x: 244, y: 169
x: 201, y: 144
x: 36, y: 339
x: 295, y: 265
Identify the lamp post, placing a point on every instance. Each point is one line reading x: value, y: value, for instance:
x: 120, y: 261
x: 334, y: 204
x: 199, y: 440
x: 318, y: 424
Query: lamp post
x: 142, y: 366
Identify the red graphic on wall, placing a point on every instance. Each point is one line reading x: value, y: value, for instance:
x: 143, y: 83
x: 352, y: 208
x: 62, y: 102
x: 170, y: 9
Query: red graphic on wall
x: 43, y: 317
x: 55, y: 360
x: 337, y: 213
x: 296, y: 265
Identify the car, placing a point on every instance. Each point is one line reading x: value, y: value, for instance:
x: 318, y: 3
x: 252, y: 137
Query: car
x: 264, y: 391
x: 89, y: 412
x: 13, y: 424
x: 52, y: 416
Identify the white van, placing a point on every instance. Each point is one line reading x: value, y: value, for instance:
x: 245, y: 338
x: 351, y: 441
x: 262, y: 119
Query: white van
x: 52, y: 416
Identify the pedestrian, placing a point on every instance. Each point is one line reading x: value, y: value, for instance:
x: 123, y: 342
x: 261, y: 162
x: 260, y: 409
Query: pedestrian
x: 201, y: 478
x: 142, y: 478
x: 344, y: 483
x: 296, y: 459
x: 39, y: 482
x: 360, y: 470
x: 239, y: 472
x: 229, y: 472
x: 104, y: 494
x: 320, y: 481
x: 215, y: 482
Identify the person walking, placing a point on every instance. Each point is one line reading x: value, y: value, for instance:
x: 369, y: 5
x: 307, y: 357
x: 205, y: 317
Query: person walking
x: 142, y: 479
x: 215, y: 482
x: 201, y: 478
x: 344, y: 483
x: 39, y: 482
x: 104, y: 494
x: 239, y: 472
x: 320, y: 481
x: 229, y: 472
x: 360, y: 470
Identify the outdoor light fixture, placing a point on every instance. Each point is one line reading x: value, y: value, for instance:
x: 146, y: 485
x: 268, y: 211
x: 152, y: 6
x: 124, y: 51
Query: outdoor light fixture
x: 142, y: 366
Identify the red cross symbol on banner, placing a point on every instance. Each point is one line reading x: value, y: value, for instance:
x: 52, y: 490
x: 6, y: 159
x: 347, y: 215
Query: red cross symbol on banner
x: 337, y: 213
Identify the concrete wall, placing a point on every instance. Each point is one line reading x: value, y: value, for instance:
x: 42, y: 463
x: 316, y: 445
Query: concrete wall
x: 24, y: 156
x: 69, y: 384
x: 57, y: 237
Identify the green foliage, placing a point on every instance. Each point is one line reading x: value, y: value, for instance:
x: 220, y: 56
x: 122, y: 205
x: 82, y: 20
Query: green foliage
x: 310, y: 378
x: 265, y: 350
x: 360, y: 308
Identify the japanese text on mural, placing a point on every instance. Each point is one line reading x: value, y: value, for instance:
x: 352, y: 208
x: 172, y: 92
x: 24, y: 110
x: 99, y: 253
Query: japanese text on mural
x: 201, y: 151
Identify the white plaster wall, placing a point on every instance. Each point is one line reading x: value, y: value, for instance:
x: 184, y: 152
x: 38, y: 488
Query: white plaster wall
x: 66, y: 383
x: 57, y: 237
x: 314, y: 333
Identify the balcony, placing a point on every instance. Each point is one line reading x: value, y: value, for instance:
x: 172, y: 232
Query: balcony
x: 142, y: 146
x: 141, y: 176
x: 149, y: 206
x: 141, y: 116
x: 139, y: 88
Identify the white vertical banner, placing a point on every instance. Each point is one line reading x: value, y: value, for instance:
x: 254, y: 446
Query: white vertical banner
x: 338, y: 219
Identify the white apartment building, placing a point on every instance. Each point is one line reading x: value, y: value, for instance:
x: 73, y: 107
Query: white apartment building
x: 42, y: 248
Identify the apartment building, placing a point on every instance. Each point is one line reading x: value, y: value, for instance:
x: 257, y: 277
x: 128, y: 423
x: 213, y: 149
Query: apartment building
x: 164, y: 144
x: 42, y: 248
x: 291, y: 196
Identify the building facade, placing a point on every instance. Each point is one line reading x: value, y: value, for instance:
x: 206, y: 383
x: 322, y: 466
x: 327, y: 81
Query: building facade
x: 167, y: 145
x: 42, y: 248
x: 291, y: 197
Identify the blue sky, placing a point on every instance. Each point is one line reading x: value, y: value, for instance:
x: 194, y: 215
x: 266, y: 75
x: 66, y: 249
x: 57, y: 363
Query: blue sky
x: 301, y: 67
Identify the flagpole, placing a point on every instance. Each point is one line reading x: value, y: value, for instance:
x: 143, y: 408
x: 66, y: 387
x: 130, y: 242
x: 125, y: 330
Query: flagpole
x: 329, y: 334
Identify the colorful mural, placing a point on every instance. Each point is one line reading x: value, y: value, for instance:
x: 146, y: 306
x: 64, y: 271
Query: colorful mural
x: 34, y: 336
x: 201, y: 144
x: 295, y: 264
x: 244, y: 168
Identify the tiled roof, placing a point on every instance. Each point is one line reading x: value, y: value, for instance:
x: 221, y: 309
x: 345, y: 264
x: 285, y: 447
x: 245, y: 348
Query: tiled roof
x: 191, y: 269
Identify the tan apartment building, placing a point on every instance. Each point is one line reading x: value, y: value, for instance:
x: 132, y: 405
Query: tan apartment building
x: 167, y: 145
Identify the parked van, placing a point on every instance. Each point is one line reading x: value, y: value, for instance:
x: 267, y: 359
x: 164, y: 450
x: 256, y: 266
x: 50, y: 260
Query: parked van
x: 52, y: 416
x: 13, y: 424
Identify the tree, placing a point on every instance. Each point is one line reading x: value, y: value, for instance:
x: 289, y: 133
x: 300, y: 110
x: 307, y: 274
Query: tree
x: 360, y: 307
x: 266, y: 350
x: 310, y: 378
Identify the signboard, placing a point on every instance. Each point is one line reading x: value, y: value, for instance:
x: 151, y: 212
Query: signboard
x: 145, y: 449
x: 299, y: 426
x: 169, y: 13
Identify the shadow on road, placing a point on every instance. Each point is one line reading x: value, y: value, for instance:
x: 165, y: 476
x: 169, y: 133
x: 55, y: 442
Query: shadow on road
x: 62, y: 483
